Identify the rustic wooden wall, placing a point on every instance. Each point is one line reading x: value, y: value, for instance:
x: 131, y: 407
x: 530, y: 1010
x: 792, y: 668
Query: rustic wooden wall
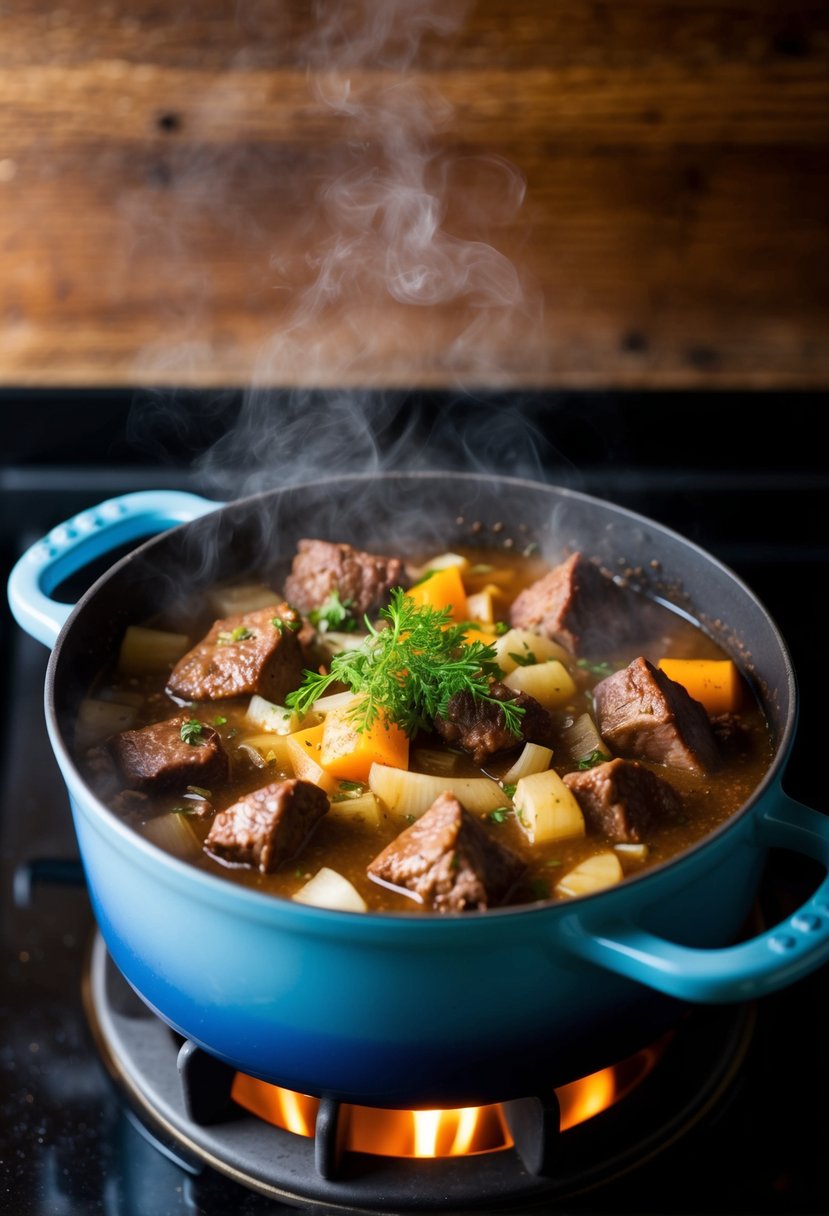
x: 218, y: 193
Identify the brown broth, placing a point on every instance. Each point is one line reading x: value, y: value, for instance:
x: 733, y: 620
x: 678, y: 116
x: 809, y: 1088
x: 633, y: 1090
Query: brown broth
x: 349, y: 847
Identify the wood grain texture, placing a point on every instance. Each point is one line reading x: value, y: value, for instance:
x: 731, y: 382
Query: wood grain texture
x: 576, y: 195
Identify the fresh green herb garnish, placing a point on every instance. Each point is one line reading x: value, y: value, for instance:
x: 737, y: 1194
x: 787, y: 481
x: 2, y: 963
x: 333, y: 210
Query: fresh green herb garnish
x: 191, y: 732
x: 500, y: 628
x: 592, y: 759
x: 408, y: 669
x: 347, y: 790
x: 499, y: 815
x: 333, y: 613
x: 552, y: 861
x: 280, y: 624
x: 424, y: 578
x: 523, y: 660
x: 239, y: 634
x: 509, y: 789
x: 596, y: 669
x: 219, y: 720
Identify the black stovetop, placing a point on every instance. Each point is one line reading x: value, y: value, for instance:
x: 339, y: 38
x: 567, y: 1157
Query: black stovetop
x: 756, y: 496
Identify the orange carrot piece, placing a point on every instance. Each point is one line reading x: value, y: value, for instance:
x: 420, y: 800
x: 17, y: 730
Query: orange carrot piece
x: 442, y: 589
x: 716, y: 683
x: 305, y: 752
x: 349, y: 754
x: 480, y: 633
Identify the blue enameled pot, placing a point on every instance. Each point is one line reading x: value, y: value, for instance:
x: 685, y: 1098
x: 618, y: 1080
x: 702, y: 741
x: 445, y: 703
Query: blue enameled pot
x: 413, y: 1009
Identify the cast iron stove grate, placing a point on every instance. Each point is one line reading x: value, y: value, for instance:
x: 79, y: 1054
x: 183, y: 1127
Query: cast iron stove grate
x: 182, y: 1097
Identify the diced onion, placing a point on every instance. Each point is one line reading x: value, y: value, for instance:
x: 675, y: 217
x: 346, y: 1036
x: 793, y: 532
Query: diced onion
x: 270, y: 717
x: 593, y: 874
x: 550, y: 683
x: 582, y: 739
x: 480, y: 607
x: 441, y: 561
x: 144, y: 651
x: 97, y: 720
x: 632, y: 852
x: 328, y: 889
x: 244, y: 597
x: 175, y: 834
x: 547, y: 808
x: 333, y: 700
x: 364, y: 809
x: 410, y: 794
x: 267, y: 751
x: 530, y: 647
x: 333, y: 642
x: 533, y: 759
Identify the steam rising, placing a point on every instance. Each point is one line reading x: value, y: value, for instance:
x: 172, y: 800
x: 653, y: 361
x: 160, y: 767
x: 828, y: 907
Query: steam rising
x: 400, y: 254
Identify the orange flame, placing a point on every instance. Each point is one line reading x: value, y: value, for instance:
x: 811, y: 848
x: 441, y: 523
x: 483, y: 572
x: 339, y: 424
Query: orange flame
x: 440, y: 1133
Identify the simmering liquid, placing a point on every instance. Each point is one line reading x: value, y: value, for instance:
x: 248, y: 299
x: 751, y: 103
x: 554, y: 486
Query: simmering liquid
x: 348, y: 844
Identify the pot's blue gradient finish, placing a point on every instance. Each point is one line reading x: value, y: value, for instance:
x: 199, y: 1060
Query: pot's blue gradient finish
x: 423, y: 1010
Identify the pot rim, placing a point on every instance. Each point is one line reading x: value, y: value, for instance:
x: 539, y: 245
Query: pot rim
x: 261, y: 905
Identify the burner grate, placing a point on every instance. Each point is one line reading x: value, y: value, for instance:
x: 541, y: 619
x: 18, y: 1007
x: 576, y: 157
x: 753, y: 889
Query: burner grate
x: 182, y: 1096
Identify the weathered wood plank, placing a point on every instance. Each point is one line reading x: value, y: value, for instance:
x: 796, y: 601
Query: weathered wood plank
x: 179, y: 204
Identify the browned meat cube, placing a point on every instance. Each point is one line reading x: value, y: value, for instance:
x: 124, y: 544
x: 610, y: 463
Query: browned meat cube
x: 156, y: 758
x: 577, y: 606
x: 448, y: 861
x: 362, y: 580
x: 479, y: 727
x: 645, y: 715
x: 268, y: 826
x: 253, y: 652
x: 622, y: 798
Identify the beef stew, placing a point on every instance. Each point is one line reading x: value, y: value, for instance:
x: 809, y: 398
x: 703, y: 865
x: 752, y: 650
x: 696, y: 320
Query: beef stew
x: 541, y: 734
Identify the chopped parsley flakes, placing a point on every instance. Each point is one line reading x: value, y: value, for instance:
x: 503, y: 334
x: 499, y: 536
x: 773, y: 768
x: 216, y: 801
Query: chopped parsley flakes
x: 240, y: 634
x: 592, y: 759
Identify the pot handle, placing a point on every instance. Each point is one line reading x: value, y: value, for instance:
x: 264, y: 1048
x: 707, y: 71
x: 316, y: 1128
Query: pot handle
x: 767, y: 962
x: 91, y: 534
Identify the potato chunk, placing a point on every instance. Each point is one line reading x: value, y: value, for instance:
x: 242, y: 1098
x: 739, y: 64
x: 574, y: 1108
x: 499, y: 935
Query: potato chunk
x: 547, y: 810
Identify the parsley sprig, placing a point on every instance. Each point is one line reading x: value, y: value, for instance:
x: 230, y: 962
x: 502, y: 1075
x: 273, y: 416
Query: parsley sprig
x: 333, y: 613
x: 191, y: 732
x: 408, y: 669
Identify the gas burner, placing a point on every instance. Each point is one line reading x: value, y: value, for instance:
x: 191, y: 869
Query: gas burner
x: 540, y: 1150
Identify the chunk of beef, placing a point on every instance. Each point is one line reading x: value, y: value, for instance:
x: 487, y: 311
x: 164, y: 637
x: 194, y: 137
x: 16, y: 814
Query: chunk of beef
x: 268, y: 826
x: 578, y: 607
x: 156, y: 758
x: 644, y: 715
x: 622, y: 799
x: 242, y: 654
x: 362, y: 580
x: 479, y: 726
x: 448, y: 860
